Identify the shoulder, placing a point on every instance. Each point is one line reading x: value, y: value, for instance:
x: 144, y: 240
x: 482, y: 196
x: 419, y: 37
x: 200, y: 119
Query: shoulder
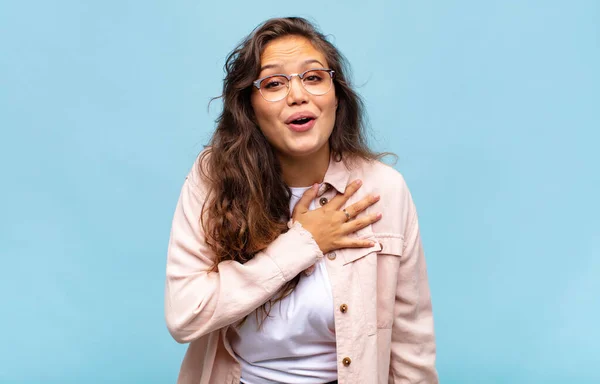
x: 199, y: 176
x: 380, y: 176
x: 396, y: 200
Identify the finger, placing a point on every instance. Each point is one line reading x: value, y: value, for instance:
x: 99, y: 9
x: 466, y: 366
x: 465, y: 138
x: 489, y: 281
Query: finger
x: 355, y: 243
x: 360, y: 206
x: 303, y: 205
x: 357, y: 224
x: 341, y: 199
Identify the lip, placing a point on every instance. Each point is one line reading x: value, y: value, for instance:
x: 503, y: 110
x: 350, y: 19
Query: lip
x: 300, y: 115
x: 302, y: 127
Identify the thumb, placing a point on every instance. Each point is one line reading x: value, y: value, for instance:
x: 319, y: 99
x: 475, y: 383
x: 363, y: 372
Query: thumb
x: 303, y: 204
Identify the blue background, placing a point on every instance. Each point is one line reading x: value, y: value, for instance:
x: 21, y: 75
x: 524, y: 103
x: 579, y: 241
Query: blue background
x: 492, y: 107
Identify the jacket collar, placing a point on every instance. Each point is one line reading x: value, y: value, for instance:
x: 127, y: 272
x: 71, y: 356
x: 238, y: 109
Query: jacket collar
x: 337, y: 176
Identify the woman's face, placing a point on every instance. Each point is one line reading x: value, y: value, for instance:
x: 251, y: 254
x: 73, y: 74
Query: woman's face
x: 287, y: 55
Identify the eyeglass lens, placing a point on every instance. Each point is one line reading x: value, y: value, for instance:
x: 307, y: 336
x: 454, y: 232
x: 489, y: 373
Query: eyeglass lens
x: 275, y: 87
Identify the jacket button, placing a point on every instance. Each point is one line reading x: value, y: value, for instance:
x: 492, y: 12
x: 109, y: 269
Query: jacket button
x: 346, y: 361
x: 323, y: 200
x: 331, y: 256
x: 343, y: 308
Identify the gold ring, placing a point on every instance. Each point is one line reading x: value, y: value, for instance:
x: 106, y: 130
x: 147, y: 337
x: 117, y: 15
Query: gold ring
x: 347, y: 214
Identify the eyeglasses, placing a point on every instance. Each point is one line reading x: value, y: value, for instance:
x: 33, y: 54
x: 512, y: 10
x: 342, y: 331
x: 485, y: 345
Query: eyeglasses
x: 276, y: 87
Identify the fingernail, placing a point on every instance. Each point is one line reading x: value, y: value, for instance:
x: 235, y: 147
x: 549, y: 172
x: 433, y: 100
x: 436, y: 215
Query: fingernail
x: 379, y: 215
x: 376, y: 197
x: 358, y: 182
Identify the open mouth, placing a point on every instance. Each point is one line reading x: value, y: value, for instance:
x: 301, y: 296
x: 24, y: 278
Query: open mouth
x: 302, y: 121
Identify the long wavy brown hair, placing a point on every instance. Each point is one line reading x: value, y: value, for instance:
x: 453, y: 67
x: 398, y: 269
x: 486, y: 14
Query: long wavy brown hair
x: 248, y: 202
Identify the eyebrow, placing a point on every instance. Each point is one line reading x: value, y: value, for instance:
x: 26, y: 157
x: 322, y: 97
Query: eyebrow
x: 269, y: 66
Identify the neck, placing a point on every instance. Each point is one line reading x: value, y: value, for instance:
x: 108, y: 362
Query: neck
x: 305, y: 171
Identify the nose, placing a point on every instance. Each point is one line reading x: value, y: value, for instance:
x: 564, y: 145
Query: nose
x: 297, y: 95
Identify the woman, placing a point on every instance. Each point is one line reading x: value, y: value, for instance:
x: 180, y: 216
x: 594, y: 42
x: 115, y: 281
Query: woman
x: 281, y: 267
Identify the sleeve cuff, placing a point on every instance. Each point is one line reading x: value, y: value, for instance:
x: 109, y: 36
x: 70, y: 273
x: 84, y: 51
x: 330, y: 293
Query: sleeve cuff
x: 294, y: 251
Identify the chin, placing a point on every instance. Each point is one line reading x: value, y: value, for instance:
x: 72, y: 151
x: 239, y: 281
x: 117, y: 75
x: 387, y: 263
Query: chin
x: 298, y: 152
x: 303, y: 151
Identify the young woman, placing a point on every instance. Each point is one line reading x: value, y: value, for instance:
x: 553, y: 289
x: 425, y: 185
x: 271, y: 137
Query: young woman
x: 295, y: 255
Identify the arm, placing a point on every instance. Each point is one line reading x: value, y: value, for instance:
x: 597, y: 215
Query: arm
x: 197, y: 301
x: 413, y: 342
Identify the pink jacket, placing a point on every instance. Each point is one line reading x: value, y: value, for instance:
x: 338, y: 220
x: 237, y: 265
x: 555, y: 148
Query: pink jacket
x: 383, y: 315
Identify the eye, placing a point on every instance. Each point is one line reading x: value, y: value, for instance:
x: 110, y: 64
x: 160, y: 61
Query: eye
x: 273, y: 83
x: 314, y: 77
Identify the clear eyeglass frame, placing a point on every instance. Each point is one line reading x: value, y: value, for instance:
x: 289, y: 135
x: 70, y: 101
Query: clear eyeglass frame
x: 331, y: 73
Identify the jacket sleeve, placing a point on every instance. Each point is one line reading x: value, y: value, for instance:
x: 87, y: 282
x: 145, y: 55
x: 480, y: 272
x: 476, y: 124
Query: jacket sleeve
x: 413, y: 341
x: 199, y: 301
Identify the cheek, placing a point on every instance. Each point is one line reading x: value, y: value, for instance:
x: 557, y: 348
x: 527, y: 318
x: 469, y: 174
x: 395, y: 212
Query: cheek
x: 257, y: 108
x: 330, y: 104
x: 264, y: 111
x: 330, y: 108
x: 266, y: 117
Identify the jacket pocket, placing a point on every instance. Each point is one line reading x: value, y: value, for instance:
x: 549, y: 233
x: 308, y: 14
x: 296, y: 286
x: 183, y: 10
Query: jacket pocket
x: 353, y: 254
x: 388, y: 264
x: 390, y: 244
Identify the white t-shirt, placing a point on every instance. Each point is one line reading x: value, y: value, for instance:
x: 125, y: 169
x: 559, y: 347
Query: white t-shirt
x: 296, y: 343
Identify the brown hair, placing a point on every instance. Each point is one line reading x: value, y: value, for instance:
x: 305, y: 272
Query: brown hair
x: 248, y: 202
